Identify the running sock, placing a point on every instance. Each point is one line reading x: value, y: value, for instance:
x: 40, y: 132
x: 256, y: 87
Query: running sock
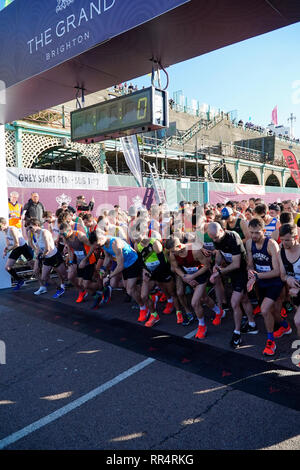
x: 284, y: 323
x: 155, y: 314
x: 216, y: 309
x: 252, y: 323
x: 201, y: 321
x: 237, y: 332
x: 271, y: 336
x: 170, y: 300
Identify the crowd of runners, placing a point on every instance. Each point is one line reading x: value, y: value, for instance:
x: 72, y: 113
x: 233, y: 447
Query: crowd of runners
x: 240, y: 257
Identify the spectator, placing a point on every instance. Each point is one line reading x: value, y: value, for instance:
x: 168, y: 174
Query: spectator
x: 14, y: 210
x: 82, y: 206
x: 34, y: 209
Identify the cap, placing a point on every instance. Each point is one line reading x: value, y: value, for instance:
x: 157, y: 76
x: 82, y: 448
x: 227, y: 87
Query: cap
x: 226, y: 212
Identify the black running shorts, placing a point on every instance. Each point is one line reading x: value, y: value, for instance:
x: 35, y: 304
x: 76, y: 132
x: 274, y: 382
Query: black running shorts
x: 24, y: 250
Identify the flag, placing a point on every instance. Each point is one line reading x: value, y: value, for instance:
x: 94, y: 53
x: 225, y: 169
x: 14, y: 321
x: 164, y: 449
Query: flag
x: 274, y: 116
x: 131, y: 153
x: 292, y: 164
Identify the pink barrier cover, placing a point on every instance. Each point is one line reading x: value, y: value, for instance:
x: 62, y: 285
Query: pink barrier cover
x: 123, y: 196
x: 224, y: 196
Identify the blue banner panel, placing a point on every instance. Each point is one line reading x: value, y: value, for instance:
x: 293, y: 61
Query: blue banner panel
x: 37, y: 35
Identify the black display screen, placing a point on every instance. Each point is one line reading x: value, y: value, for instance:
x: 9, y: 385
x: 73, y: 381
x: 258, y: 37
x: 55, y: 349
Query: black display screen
x: 118, y: 114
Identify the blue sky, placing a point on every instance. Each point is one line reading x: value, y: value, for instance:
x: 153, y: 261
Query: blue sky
x: 251, y: 77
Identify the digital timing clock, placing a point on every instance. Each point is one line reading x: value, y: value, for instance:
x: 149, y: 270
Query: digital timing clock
x: 142, y: 111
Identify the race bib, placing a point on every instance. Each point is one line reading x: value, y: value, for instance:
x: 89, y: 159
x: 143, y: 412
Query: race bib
x: 153, y: 265
x: 262, y: 269
x: 227, y: 257
x: 79, y: 255
x: 190, y: 270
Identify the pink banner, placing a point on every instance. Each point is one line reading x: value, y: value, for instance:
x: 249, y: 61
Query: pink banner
x: 224, y: 196
x: 123, y: 196
x: 274, y: 116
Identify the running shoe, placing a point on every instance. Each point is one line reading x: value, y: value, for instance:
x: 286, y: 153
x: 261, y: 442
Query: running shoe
x: 60, y: 291
x: 169, y: 308
x: 256, y: 310
x: 19, y: 285
x: 236, y: 341
x: 152, y: 320
x: 163, y: 298
x: 189, y: 318
x: 144, y: 312
x: 41, y: 290
x: 179, y: 318
x: 154, y: 298
x: 283, y: 312
x: 270, y: 348
x: 282, y: 331
x: 82, y: 295
x: 251, y: 330
x: 97, y: 300
x: 106, y: 296
x: 201, y: 332
x: 218, y: 317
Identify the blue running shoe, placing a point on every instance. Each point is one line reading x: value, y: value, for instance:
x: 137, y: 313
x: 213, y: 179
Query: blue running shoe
x: 58, y: 293
x: 106, y: 297
x: 19, y: 285
x: 97, y: 300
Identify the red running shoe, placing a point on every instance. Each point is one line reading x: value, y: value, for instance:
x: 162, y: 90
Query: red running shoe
x: 152, y: 320
x: 201, y: 333
x: 282, y: 331
x: 82, y: 295
x: 257, y: 310
x: 169, y: 308
x: 270, y: 348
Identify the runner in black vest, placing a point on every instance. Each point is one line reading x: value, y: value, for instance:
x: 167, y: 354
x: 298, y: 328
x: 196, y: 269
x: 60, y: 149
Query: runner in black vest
x: 231, y: 259
x: 264, y: 271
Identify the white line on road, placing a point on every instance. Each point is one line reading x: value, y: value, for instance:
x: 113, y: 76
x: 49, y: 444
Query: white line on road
x: 16, y: 436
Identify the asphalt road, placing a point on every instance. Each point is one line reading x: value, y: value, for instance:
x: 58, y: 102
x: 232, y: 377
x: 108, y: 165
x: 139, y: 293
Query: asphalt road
x: 78, y: 379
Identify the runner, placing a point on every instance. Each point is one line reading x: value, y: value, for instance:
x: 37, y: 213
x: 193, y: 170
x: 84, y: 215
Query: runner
x: 231, y: 260
x: 264, y: 271
x: 81, y: 275
x: 271, y: 223
x: 290, y: 271
x: 157, y: 271
x: 192, y: 267
x: 235, y: 224
x: 15, y: 245
x: 48, y: 256
x: 127, y: 263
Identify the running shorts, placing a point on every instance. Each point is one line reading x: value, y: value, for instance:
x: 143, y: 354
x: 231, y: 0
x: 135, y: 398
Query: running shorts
x: 24, y: 250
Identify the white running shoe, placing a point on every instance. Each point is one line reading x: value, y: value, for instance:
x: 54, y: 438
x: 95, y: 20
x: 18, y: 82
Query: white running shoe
x: 41, y: 290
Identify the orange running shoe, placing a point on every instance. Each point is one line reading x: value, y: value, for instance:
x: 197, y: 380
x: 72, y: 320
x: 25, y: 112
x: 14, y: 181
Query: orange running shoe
x: 201, y: 333
x: 218, y: 317
x: 169, y: 308
x: 270, y: 348
x: 82, y: 295
x: 179, y: 317
x: 152, y: 320
x: 257, y: 310
x: 282, y: 331
x: 143, y: 314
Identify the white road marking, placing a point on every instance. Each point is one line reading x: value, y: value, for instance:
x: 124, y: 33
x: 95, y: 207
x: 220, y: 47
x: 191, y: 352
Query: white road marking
x: 16, y: 436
